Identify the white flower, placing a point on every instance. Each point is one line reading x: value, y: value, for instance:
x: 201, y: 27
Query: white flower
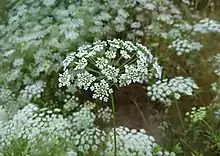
x: 112, y: 62
x: 81, y: 64
x: 162, y: 90
x: 68, y: 60
x: 85, y: 80
x: 18, y: 62
x: 31, y: 91
x: 110, y: 54
x: 105, y: 114
x: 185, y: 46
x: 131, y: 75
x: 111, y: 73
x: 177, y: 96
x: 71, y: 153
x: 101, y: 90
x: 206, y: 26
x: 135, y: 25
x: 101, y: 63
x: 83, y: 51
x: 64, y: 79
x: 124, y: 54
x: 49, y: 2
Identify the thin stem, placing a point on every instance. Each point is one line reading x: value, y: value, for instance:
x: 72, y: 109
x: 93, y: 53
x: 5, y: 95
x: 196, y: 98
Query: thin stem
x: 188, y: 146
x: 179, y: 114
x: 92, y: 61
x: 207, y: 5
x: 128, y: 63
x: 132, y: 61
x: 127, y: 60
x: 117, y: 62
x: 92, y: 70
x: 139, y: 109
x: 114, y: 122
x: 196, y: 4
x: 210, y: 128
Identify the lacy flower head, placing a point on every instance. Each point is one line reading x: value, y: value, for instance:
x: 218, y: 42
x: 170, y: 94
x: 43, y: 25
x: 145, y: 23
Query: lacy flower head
x: 166, y: 90
x: 106, y: 64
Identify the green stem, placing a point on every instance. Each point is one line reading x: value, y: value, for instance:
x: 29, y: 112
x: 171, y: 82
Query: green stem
x: 92, y: 70
x: 92, y: 61
x: 114, y: 122
x: 209, y: 127
x: 194, y: 152
x: 127, y: 60
x: 119, y: 60
x: 179, y: 114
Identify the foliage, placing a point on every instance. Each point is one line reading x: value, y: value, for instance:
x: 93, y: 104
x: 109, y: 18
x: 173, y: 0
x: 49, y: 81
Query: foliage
x: 62, y: 63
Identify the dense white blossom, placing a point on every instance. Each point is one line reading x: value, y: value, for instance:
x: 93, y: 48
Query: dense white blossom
x: 40, y: 33
x: 125, y: 54
x: 68, y: 60
x: 164, y: 90
x: 18, y: 62
x: 105, y: 114
x: 206, y: 26
x: 84, y: 80
x: 132, y: 142
x: 83, y: 118
x: 71, y: 103
x: 35, y: 38
x: 90, y: 140
x: 3, y: 114
x: 111, y: 73
x: 49, y: 2
x: 110, y: 54
x: 32, y: 123
x: 81, y: 64
x: 64, y: 79
x: 101, y: 90
x: 49, y: 125
x: 101, y: 66
x: 101, y: 62
x: 132, y: 17
x: 6, y: 97
x: 71, y: 153
x: 185, y: 46
x: 180, y: 30
x: 13, y: 74
x: 32, y: 91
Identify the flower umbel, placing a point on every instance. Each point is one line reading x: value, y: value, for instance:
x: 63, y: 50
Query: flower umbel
x: 106, y: 64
